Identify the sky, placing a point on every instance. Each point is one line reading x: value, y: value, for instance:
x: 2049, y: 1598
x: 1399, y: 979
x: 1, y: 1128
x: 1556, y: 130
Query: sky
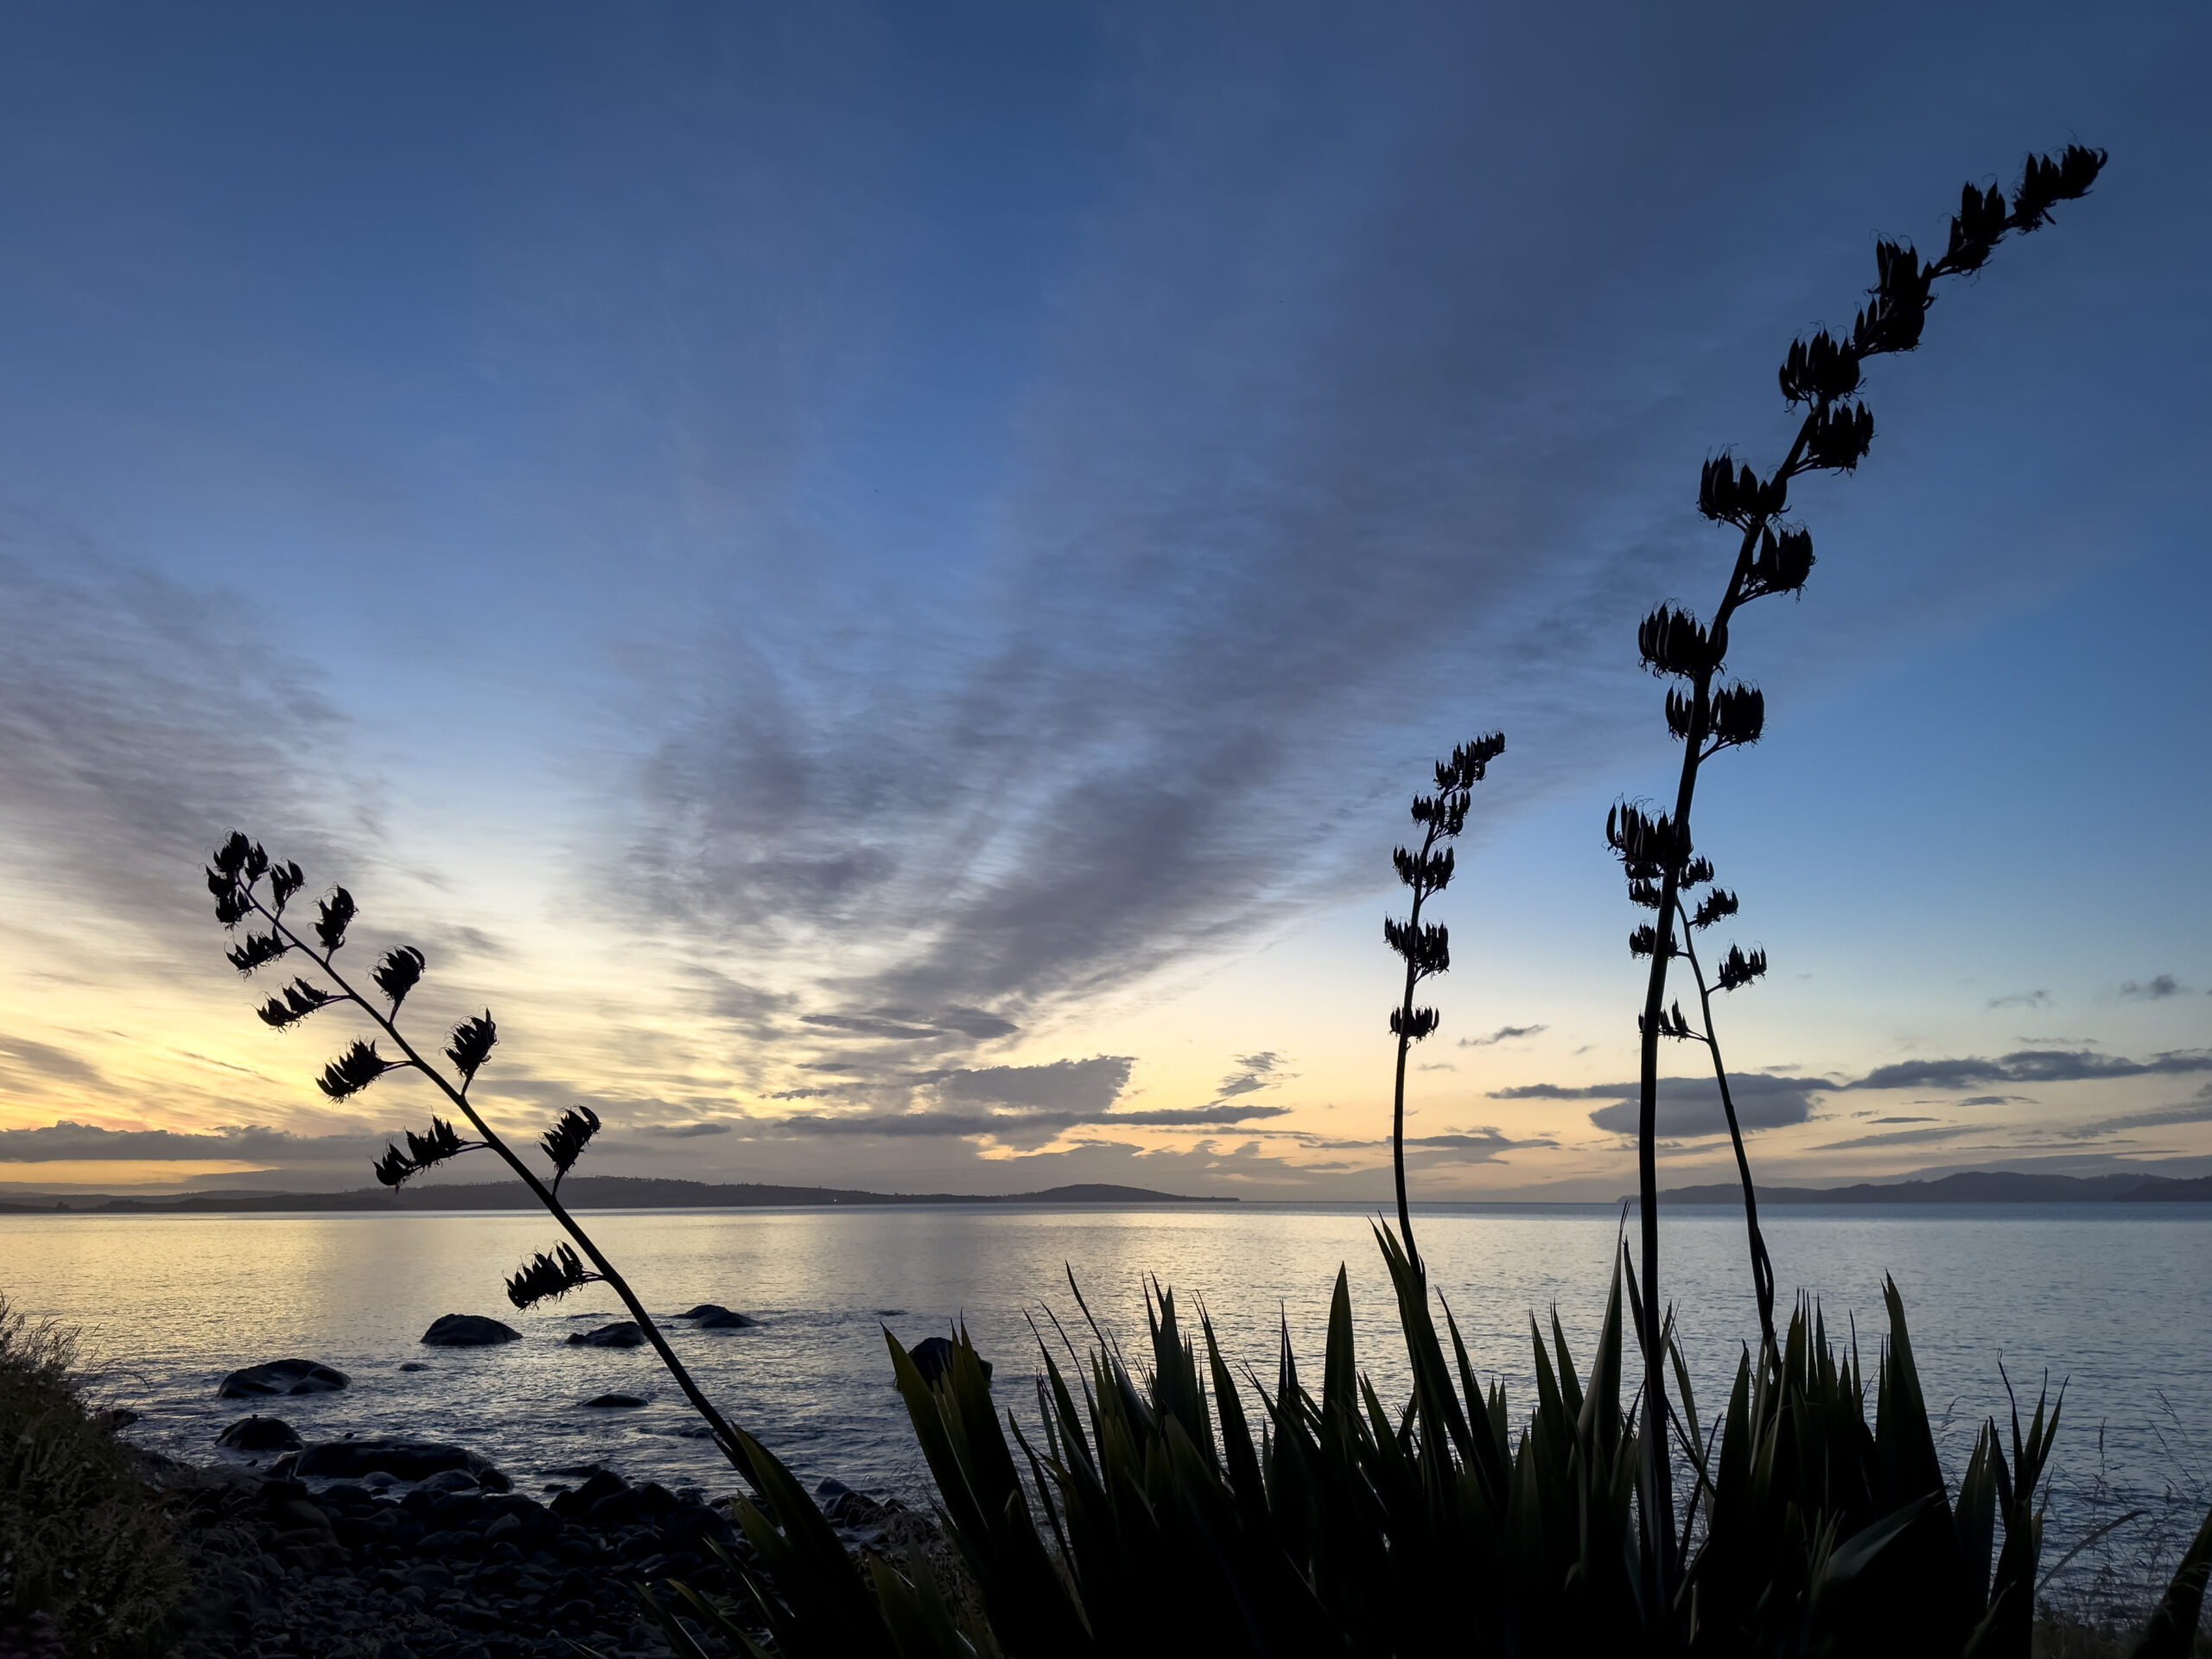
x: 875, y: 583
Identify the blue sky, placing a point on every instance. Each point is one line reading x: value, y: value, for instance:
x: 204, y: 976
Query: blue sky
x: 851, y: 564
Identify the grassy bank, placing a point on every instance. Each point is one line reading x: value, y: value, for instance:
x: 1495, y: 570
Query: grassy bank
x: 89, y: 1564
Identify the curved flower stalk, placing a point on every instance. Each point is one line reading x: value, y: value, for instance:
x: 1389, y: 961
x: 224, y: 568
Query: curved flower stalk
x: 1737, y: 970
x: 1706, y: 713
x: 252, y: 888
x: 1426, y: 946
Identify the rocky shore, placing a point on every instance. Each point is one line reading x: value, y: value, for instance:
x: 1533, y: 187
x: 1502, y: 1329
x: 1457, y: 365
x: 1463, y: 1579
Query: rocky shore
x: 457, y: 1566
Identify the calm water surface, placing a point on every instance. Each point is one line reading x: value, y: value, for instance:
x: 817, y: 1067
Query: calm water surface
x: 2114, y: 1299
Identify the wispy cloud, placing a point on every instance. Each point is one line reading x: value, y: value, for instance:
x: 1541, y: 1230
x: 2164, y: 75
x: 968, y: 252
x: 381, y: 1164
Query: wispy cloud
x: 1902, y: 1137
x: 2029, y: 1066
x: 46, y: 1061
x: 1502, y: 1034
x: 1254, y: 1072
x: 2198, y: 1110
x: 2153, y: 990
x: 1081, y: 1086
x: 2021, y: 1000
x: 71, y: 1142
x: 1688, y: 1107
x: 140, y: 721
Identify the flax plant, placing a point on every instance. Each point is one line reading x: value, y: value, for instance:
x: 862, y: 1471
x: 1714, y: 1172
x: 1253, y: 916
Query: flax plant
x: 1169, y: 1506
x: 1425, y: 947
x: 1707, y: 713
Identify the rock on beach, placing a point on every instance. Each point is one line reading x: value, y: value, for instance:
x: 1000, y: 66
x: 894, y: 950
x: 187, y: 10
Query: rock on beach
x: 402, y: 1460
x: 453, y: 1570
x: 259, y: 1434
x: 281, y: 1377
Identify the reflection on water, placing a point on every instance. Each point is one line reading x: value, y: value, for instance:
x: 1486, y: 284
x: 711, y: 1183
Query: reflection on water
x: 2114, y: 1298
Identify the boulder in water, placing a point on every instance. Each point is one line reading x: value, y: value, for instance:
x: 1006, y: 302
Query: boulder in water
x: 259, y: 1434
x: 468, y: 1331
x: 608, y: 1401
x: 625, y: 1335
x: 281, y: 1377
x: 933, y: 1359
x: 713, y: 1316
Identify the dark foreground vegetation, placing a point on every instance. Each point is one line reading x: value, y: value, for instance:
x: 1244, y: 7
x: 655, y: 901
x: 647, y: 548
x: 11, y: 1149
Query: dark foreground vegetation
x: 1171, y: 1508
x: 88, y: 1563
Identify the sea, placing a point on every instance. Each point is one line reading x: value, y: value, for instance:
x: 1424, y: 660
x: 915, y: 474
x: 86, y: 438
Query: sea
x: 2109, y: 1305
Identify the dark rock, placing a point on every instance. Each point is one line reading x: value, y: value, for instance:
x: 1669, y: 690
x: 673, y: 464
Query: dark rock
x: 604, y: 1483
x: 453, y: 1510
x: 451, y: 1480
x: 577, y: 1504
x: 259, y: 1434
x: 575, y: 1549
x: 854, y: 1510
x: 617, y: 1510
x: 468, y: 1331
x: 414, y: 1365
x: 627, y: 1334
x: 612, y: 1400
x: 507, y: 1529
x: 115, y: 1418
x: 933, y: 1359
x: 281, y: 1377
x: 403, y: 1460
x: 713, y: 1316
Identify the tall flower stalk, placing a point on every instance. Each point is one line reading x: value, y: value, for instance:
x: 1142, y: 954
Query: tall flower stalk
x: 1735, y: 970
x: 252, y: 889
x: 1425, y: 947
x: 1706, y: 713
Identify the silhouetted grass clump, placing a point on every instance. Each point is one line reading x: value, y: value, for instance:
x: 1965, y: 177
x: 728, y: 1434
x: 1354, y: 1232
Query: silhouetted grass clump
x: 89, y: 1563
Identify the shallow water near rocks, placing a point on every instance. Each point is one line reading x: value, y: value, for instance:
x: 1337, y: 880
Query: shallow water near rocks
x: 2115, y: 1300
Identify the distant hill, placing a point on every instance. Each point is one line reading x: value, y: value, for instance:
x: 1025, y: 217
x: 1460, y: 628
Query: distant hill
x: 579, y: 1193
x: 1104, y: 1193
x: 2195, y: 1192
x: 1970, y: 1186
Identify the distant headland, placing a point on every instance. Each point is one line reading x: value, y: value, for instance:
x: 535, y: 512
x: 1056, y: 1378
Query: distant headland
x: 579, y: 1193
x: 1969, y: 1186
